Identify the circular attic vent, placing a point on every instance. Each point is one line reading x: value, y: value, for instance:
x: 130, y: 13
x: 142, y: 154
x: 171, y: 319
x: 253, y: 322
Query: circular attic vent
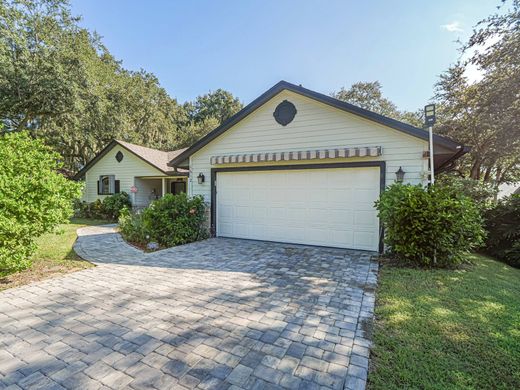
x: 285, y: 113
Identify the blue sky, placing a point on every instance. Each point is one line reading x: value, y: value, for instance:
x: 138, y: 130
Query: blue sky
x: 247, y: 46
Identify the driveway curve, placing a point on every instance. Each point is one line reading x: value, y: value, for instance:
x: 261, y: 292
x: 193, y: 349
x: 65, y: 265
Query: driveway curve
x: 215, y: 314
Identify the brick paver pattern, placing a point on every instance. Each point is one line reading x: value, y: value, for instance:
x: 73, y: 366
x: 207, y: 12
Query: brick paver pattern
x: 216, y: 314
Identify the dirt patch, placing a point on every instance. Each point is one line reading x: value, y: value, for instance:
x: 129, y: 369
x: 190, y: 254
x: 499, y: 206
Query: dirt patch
x: 40, y: 270
x: 367, y: 326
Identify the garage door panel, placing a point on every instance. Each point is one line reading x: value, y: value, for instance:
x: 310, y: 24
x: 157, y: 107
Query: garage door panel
x: 328, y: 207
x: 364, y: 218
x: 342, y: 238
x: 242, y: 212
x: 259, y: 213
x: 365, y: 194
x: 364, y: 240
x: 259, y: 195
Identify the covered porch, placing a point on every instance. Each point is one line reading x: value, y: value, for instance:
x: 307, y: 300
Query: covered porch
x: 149, y: 188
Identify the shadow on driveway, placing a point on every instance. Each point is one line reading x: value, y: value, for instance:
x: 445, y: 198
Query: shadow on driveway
x: 211, y: 314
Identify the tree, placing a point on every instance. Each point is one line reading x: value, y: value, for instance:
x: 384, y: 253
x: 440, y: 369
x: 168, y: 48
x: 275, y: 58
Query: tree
x: 58, y: 81
x: 34, y: 197
x: 485, y: 114
x: 219, y: 105
x: 206, y: 113
x: 37, y: 62
x: 368, y: 95
x: 193, y: 131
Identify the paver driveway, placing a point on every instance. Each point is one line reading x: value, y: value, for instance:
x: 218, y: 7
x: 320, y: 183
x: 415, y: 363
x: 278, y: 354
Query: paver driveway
x: 220, y: 313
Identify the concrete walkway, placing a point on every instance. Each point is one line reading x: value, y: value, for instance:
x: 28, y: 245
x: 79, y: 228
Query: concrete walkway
x: 216, y: 314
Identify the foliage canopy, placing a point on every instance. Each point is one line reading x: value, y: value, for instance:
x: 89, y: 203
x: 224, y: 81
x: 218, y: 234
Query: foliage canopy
x: 59, y: 82
x: 484, y: 113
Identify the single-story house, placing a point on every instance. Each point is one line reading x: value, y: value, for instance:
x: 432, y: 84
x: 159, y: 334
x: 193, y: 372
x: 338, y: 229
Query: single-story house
x: 141, y: 172
x: 301, y: 167
x: 297, y: 166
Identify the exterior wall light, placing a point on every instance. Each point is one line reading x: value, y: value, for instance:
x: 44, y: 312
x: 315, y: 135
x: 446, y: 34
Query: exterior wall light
x: 200, y: 178
x: 399, y: 175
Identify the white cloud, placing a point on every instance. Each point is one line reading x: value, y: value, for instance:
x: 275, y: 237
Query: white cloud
x: 452, y: 27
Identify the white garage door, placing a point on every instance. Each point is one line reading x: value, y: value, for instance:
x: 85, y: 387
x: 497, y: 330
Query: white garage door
x: 326, y: 207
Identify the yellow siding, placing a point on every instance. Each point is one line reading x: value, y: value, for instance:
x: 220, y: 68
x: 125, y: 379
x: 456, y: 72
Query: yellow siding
x: 315, y: 126
x: 125, y: 171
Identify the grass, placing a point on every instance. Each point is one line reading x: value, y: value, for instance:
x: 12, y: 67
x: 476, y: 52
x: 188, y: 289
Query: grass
x: 53, y: 257
x: 441, y: 329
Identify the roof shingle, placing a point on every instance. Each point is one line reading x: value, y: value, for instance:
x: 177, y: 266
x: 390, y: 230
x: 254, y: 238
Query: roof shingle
x: 155, y: 157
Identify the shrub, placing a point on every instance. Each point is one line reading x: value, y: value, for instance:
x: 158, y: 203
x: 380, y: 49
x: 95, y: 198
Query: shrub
x: 109, y: 208
x: 95, y: 209
x: 34, y: 197
x: 483, y: 194
x: 432, y: 226
x: 113, y: 204
x: 169, y: 221
x: 88, y: 210
x: 503, y: 226
x: 131, y: 227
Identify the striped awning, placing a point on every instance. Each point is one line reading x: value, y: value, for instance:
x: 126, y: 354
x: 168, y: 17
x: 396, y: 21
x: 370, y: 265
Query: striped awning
x: 365, y: 151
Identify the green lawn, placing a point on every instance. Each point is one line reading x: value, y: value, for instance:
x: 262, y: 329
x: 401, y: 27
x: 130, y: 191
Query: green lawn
x: 54, y: 256
x: 440, y: 329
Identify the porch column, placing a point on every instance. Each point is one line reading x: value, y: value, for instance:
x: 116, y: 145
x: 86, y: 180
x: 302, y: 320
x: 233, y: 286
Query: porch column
x: 163, y: 186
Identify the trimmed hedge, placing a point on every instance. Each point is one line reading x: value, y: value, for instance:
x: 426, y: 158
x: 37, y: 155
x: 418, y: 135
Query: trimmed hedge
x: 433, y: 227
x: 169, y: 221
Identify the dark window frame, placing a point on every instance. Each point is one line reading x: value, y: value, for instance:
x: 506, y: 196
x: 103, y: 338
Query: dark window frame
x: 112, y: 184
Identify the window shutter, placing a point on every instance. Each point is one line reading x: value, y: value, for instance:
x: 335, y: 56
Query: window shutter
x: 118, y: 190
x: 111, y: 184
x: 99, y: 187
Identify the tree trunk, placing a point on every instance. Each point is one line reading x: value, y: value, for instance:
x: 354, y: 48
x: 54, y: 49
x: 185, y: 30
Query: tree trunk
x: 475, y: 170
x: 487, y: 174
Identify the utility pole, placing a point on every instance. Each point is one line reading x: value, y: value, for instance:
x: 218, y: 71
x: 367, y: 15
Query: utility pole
x: 429, y: 120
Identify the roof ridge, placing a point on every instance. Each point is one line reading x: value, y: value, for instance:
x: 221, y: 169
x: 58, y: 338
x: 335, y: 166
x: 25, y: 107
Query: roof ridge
x: 147, y: 147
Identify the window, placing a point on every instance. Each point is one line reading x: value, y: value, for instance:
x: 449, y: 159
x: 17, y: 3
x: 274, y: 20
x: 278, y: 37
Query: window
x: 107, y: 185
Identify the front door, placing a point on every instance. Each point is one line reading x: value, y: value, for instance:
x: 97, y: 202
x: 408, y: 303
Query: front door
x: 178, y: 187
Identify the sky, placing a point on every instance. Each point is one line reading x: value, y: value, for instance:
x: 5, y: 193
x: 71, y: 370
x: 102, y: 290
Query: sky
x: 247, y: 46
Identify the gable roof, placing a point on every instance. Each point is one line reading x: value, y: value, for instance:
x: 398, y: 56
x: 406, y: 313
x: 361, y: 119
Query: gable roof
x: 156, y: 158
x: 339, y: 104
